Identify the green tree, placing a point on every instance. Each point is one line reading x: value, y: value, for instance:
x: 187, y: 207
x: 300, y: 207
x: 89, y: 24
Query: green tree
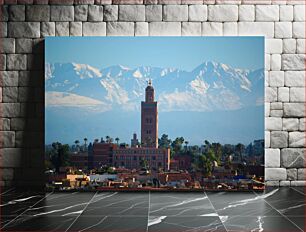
x: 117, y: 140
x: 60, y: 155
x: 164, y: 141
x: 177, y: 145
x: 206, y: 162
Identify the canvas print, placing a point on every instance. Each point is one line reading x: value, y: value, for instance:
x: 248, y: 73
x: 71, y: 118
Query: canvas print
x: 154, y: 113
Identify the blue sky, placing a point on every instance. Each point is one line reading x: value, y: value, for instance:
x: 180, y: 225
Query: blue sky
x: 180, y: 52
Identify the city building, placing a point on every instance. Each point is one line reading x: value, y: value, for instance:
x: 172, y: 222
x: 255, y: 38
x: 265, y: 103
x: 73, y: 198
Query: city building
x: 149, y: 119
x: 142, y: 157
x: 101, y: 154
x: 148, y: 155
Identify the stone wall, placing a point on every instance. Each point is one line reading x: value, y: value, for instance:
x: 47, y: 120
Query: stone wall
x: 24, y: 24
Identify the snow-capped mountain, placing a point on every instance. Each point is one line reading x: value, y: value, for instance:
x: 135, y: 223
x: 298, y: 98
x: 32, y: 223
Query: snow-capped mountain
x: 208, y: 87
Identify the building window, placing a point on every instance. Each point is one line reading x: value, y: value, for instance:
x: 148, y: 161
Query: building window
x: 153, y: 157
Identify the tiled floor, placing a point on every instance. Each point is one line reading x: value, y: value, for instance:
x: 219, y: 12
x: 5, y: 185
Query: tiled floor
x: 275, y: 210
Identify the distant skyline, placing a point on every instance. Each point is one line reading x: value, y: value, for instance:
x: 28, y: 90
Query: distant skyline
x: 179, y: 52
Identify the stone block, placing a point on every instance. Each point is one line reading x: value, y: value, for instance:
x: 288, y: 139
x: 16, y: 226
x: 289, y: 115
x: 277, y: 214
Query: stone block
x: 289, y: 46
x: 2, y: 62
x: 110, y: 13
x: 293, y: 157
x: 267, y: 13
x: 302, y: 126
x: 271, y: 94
x: 283, y: 30
x: 267, y: 61
x: 5, y: 123
x: 94, y: 29
x: 154, y: 13
x: 286, y: 13
x: 274, y: 183
x: 24, y: 45
x: 298, y: 30
x: 301, y: 175
x: 290, y: 124
x: 8, y: 78
x: 212, y: 29
x: 256, y: 29
x: 38, y: 13
x: 273, y: 174
x: 276, y: 106
x: 17, y: 13
x: 95, y: 13
x: 299, y: 13
x: 297, y: 183
x: 272, y: 158
x: 222, y: 13
x: 191, y: 29
x: 267, y: 139
x: 284, y: 183
x: 296, y: 139
x: 277, y: 79
x: 24, y: 29
x: 47, y: 29
x: 11, y: 110
x: 120, y: 29
x: 294, y: 109
x: 292, y: 174
x: 165, y: 29
x: 7, y: 45
x: 131, y: 13
x: 293, y: 61
x: 75, y: 29
x: 197, y: 13
x: 297, y: 94
x: 294, y: 78
x: 4, y: 15
x: 80, y: 13
x: 300, y: 47
x: 276, y: 113
x: 16, y: 62
x: 11, y: 157
x: 230, y: 29
x: 273, y: 123
x: 141, y: 29
x: 276, y: 62
x: 62, y: 13
x: 273, y: 46
x: 279, y: 139
x: 62, y: 29
x: 9, y: 94
x: 246, y: 13
x: 175, y: 13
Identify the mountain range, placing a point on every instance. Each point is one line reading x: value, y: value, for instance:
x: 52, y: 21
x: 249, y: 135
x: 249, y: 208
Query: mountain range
x: 208, y: 87
x: 214, y: 101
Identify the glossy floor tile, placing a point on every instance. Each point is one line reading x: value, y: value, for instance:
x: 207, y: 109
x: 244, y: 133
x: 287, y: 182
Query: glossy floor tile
x: 276, y: 209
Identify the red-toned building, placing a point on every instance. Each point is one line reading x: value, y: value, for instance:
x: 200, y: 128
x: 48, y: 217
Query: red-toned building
x: 149, y: 119
x: 148, y: 153
x: 183, y: 162
x: 133, y: 158
x: 102, y: 154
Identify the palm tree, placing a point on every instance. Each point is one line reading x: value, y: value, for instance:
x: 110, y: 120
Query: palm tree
x: 117, y: 140
x: 77, y: 144
x: 96, y: 141
x: 107, y: 138
x: 186, y: 143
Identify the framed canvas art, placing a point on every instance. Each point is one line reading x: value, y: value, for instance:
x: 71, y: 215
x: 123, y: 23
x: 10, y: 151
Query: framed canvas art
x: 154, y: 113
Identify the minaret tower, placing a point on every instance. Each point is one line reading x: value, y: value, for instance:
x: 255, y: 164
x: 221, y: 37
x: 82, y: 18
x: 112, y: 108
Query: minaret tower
x: 149, y: 119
